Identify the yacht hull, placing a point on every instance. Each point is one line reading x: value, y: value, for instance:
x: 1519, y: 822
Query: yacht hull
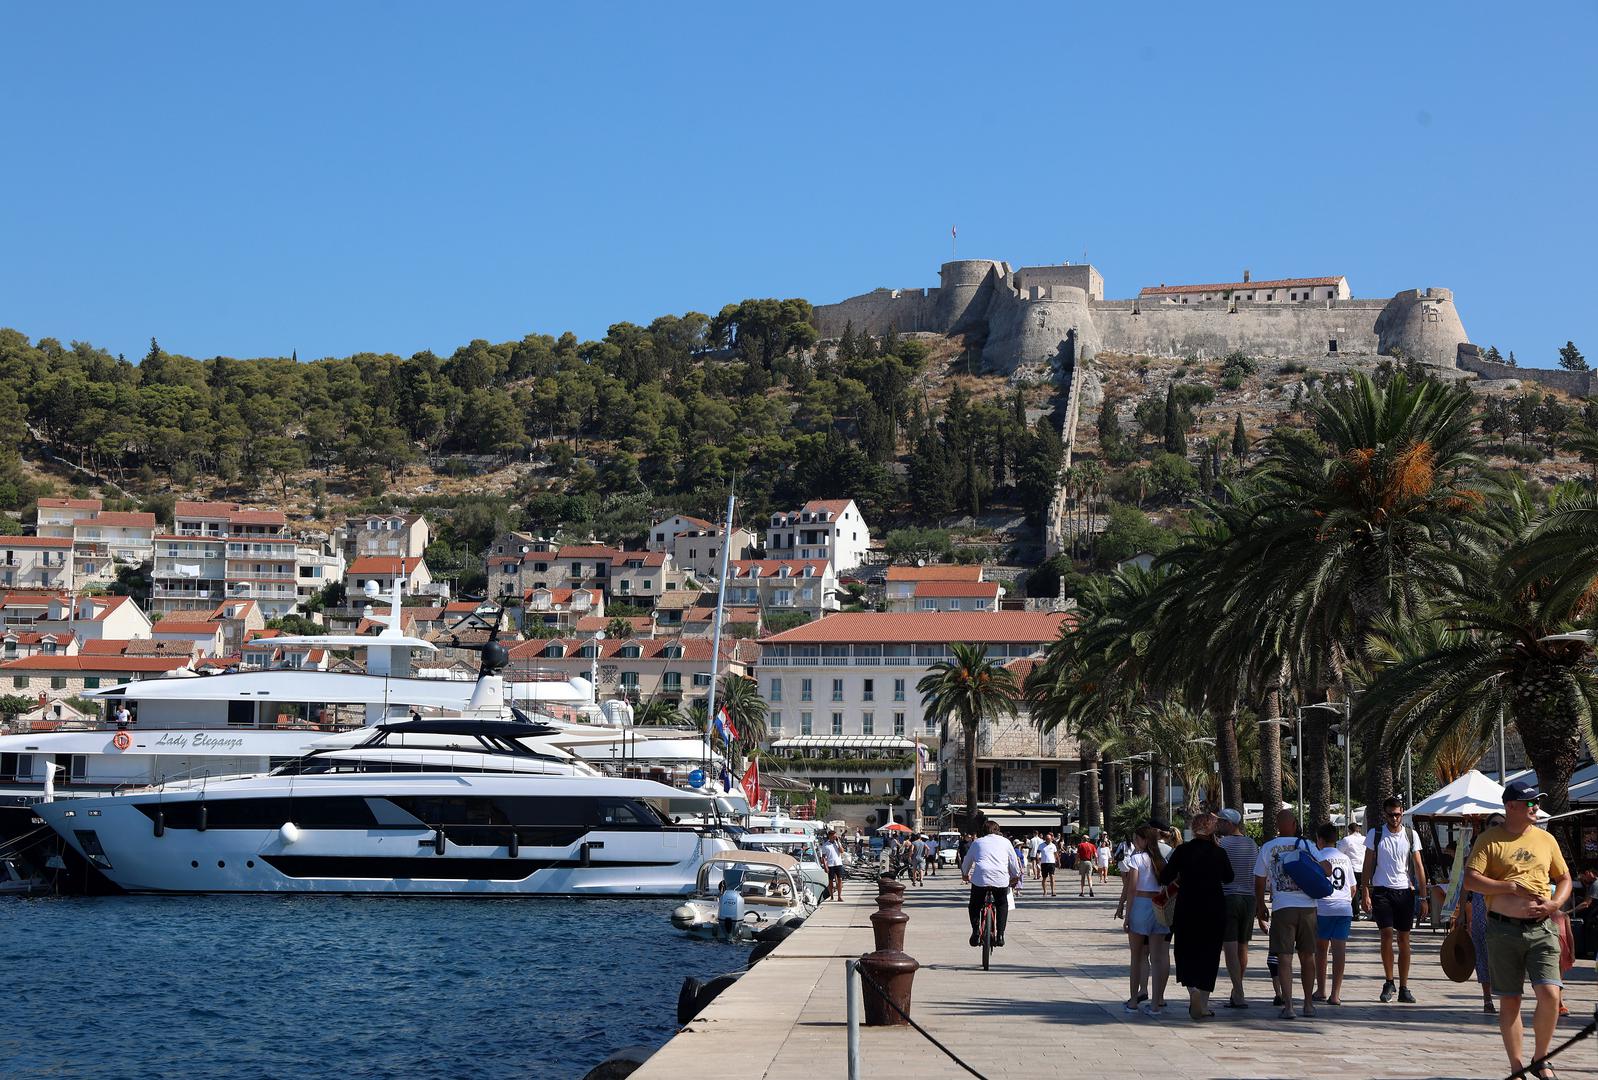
x: 128, y: 839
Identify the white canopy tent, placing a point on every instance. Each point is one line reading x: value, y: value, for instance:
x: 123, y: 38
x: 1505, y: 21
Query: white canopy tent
x: 1472, y: 795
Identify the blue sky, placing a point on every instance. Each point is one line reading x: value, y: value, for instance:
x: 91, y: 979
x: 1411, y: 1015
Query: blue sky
x: 333, y: 178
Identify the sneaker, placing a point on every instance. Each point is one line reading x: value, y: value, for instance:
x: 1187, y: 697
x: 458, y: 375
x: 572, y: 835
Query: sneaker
x: 1388, y: 990
x: 975, y: 941
x: 998, y: 943
x: 1405, y: 996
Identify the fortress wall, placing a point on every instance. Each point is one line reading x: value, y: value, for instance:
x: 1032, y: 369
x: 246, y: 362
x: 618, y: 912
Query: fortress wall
x: 903, y: 310
x: 1078, y: 276
x: 1258, y: 330
x: 1578, y: 383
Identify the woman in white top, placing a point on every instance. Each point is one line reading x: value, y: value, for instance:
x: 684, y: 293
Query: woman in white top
x: 1149, y: 941
x: 1101, y: 860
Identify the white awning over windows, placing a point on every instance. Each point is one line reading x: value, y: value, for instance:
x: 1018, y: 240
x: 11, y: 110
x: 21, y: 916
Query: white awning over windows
x: 844, y: 742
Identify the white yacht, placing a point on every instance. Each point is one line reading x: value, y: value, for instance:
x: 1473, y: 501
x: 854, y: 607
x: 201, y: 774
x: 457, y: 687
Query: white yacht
x: 458, y: 807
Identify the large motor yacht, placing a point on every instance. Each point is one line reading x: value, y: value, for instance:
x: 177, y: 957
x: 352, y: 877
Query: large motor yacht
x: 416, y: 807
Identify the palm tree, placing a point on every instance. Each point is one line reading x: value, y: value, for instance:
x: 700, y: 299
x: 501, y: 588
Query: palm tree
x: 747, y: 710
x: 658, y: 712
x: 1482, y: 651
x: 969, y: 688
x: 1353, y: 520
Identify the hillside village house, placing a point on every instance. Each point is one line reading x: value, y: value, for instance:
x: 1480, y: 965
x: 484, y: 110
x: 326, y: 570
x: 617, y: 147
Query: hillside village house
x: 102, y: 539
x: 239, y: 619
x: 642, y: 669
x: 88, y: 618
x: 805, y: 586
x: 318, y: 564
x: 225, y: 551
x: 695, y: 545
x: 395, y: 535
x: 844, y: 687
x: 829, y: 529
x: 205, y: 634
x: 1015, y: 761
x: 108, y: 539
x: 67, y: 676
x: 941, y: 587
x: 412, y: 573
x: 560, y: 609
x: 16, y: 644
x: 36, y: 562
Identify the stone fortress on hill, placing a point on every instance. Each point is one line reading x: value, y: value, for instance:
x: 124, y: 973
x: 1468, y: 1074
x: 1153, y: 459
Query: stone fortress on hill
x: 1058, y: 314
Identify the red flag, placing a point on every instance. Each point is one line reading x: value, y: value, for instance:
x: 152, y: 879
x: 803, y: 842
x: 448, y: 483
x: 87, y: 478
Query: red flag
x: 751, y: 782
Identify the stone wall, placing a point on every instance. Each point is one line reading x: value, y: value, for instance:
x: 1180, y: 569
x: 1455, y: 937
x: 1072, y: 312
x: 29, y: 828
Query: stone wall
x: 1284, y: 330
x: 1577, y: 383
x: 904, y: 311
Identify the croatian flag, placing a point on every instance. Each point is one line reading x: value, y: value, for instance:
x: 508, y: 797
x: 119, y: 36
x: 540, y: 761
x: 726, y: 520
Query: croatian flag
x: 724, y: 721
x: 923, y: 758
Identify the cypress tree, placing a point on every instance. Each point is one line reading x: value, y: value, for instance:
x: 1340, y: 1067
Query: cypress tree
x: 1175, y: 436
x: 1239, y: 439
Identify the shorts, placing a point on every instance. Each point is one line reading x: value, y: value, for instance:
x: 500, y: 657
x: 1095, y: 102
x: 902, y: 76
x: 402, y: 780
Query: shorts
x: 1048, y: 869
x: 1393, y: 909
x: 834, y: 873
x: 1293, y: 930
x: 1239, y: 924
x: 1084, y: 868
x: 1141, y: 918
x: 1516, y: 951
x: 1333, y: 927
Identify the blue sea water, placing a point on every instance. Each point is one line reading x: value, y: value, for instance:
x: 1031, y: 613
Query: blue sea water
x: 272, y: 986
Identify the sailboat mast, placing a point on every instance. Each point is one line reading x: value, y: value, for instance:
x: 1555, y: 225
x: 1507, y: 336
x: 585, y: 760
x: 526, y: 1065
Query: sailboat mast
x: 715, y: 637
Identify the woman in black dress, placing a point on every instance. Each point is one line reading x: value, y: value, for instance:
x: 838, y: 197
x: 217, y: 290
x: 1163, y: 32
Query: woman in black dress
x: 1198, y: 868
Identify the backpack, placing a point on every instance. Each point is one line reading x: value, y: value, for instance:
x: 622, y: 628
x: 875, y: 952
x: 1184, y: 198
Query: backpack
x: 1306, y: 872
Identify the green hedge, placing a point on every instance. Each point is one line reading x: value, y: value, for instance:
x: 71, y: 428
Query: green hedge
x: 806, y: 764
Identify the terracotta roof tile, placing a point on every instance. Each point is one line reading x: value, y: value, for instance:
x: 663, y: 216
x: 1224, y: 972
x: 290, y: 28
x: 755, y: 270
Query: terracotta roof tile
x: 936, y: 572
x: 383, y: 565
x: 1234, y: 286
x: 72, y: 504
x: 91, y: 663
x: 587, y: 551
x: 770, y: 568
x: 35, y: 541
x: 927, y: 628
x: 119, y: 518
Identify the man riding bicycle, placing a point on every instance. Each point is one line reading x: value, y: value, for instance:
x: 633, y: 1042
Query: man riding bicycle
x: 990, y: 864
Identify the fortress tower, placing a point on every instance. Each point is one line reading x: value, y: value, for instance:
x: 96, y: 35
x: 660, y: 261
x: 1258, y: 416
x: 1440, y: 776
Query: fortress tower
x: 1058, y: 314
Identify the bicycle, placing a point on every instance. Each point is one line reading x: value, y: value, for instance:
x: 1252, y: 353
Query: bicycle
x: 988, y: 926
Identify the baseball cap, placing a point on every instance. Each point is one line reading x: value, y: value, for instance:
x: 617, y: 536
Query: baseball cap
x: 1232, y: 815
x: 1520, y: 791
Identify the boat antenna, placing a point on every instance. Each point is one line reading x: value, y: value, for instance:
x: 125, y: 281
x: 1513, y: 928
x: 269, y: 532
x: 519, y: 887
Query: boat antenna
x: 715, y: 637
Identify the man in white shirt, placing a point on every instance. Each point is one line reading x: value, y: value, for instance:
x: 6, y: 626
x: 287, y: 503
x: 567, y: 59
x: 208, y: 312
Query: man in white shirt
x: 1291, y: 916
x: 1048, y: 860
x: 990, y: 863
x: 1032, y: 845
x: 1393, y: 873
x: 1353, y: 845
x: 832, y: 862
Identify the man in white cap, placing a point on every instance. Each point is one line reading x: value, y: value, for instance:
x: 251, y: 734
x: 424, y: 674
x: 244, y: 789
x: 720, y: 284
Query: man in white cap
x: 1238, y: 930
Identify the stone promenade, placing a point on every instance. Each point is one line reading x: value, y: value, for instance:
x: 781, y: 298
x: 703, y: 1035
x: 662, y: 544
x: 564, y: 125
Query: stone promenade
x: 1051, y: 1006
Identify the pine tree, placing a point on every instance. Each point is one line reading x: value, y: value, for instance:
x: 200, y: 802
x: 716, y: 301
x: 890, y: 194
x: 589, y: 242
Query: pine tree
x: 1511, y: 361
x: 1570, y: 358
x: 1493, y: 354
x: 848, y: 346
x: 1239, y: 439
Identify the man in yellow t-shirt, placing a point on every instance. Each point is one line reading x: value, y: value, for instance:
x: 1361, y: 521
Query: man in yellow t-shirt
x: 1520, y: 870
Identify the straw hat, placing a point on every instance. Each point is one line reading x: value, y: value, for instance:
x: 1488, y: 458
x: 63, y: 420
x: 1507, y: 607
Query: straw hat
x: 1458, y: 954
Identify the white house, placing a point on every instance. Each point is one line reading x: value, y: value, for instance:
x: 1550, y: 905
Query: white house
x: 384, y: 569
x: 783, y: 585
x: 106, y: 539
x: 899, y: 593
x: 36, y: 562
x: 830, y: 529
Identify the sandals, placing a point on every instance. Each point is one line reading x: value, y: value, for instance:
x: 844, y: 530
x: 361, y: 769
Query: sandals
x: 1544, y: 1071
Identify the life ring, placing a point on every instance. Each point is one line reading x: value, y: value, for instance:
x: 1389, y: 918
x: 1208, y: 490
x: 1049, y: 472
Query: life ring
x: 121, y: 740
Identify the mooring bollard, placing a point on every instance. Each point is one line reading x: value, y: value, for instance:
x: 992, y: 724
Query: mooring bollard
x: 889, y: 967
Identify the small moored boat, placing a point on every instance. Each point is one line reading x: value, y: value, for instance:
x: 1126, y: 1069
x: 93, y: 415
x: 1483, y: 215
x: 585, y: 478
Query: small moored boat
x: 739, y: 893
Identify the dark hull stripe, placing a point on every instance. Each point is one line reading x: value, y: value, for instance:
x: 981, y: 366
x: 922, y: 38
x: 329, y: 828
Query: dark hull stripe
x: 427, y: 867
